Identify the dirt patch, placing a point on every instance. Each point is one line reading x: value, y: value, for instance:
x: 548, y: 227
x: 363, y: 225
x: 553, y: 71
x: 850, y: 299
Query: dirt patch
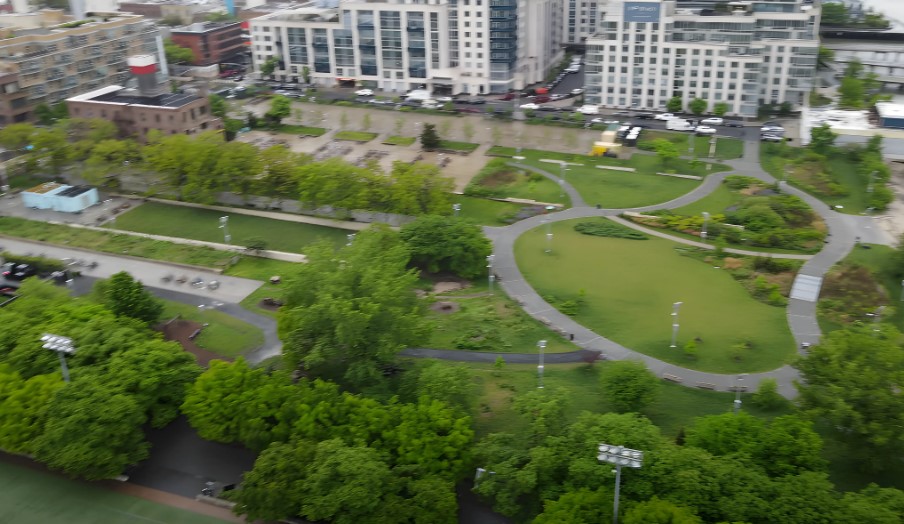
x: 499, y: 178
x: 445, y: 287
x: 732, y: 263
x: 270, y: 304
x: 445, y: 307
x: 180, y: 331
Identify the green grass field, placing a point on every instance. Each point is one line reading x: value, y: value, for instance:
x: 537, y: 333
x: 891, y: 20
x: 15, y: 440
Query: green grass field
x: 458, y: 146
x: 302, y: 130
x: 716, y: 202
x: 399, y: 140
x: 225, y: 335
x: 517, y: 183
x: 34, y: 497
x: 676, y: 407
x: 630, y: 286
x: 483, y: 211
x: 355, y: 136
x: 202, y: 224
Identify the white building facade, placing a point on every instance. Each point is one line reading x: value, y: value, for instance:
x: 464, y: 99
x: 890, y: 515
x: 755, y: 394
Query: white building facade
x: 744, y: 54
x: 449, y: 46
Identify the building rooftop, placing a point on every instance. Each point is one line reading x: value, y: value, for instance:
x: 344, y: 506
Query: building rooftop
x: 120, y: 95
x: 203, y: 27
x: 890, y: 110
x: 46, y: 187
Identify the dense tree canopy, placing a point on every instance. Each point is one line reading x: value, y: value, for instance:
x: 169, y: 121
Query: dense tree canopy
x: 447, y: 244
x: 628, y: 385
x: 127, y: 297
x: 348, y: 313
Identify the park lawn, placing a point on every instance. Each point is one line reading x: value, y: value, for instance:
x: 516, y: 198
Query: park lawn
x: 452, y: 145
x: 727, y: 148
x: 675, y: 408
x: 25, y: 181
x: 630, y: 286
x: 517, y: 183
x: 225, y: 334
x: 396, y: 140
x: 355, y: 136
x: 716, y: 202
x: 202, y: 224
x: 490, y: 323
x: 841, y: 170
x: 35, y: 497
x: 302, y: 130
x: 484, y: 211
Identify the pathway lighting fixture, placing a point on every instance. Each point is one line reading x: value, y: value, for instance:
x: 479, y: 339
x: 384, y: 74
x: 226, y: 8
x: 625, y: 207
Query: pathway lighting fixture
x: 705, y: 221
x: 737, y: 400
x: 455, y: 209
x: 619, y: 456
x: 224, y: 225
x: 674, y: 315
x: 542, y: 345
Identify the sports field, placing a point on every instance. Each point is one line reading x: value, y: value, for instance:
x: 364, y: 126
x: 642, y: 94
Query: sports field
x: 34, y: 497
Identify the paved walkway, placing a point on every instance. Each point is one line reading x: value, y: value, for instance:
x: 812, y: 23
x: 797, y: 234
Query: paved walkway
x: 845, y: 231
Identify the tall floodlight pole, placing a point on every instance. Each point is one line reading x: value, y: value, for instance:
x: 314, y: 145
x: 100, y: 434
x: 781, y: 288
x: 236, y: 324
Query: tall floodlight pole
x: 62, y: 346
x: 619, y: 456
x: 456, y: 208
x: 351, y: 239
x: 542, y: 345
x: 705, y: 220
x: 674, y: 316
x: 491, y: 277
x: 224, y: 225
x: 548, y: 222
x: 690, y: 144
x: 737, y: 398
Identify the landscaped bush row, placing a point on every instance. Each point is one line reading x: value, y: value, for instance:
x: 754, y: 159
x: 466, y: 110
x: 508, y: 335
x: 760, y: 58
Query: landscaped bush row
x: 608, y: 228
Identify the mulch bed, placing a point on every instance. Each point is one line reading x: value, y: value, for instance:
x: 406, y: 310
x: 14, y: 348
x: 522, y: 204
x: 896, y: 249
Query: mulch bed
x: 180, y: 331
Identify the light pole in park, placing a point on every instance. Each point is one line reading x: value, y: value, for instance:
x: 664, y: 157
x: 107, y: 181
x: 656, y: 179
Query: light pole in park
x: 548, y: 222
x: 737, y: 398
x: 542, y: 345
x: 674, y: 316
x: 351, y: 239
x: 690, y: 144
x: 869, y: 187
x: 619, y: 456
x: 224, y: 225
x: 62, y: 346
x: 455, y: 209
x: 705, y: 221
x: 491, y: 277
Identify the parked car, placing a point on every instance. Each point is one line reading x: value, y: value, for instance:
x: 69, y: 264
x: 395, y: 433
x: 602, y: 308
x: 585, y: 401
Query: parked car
x: 633, y: 125
x: 662, y: 116
x: 380, y: 102
x: 541, y: 99
x: 772, y: 129
x: 557, y: 96
x: 573, y: 69
x: 530, y: 106
x: 477, y: 101
x: 705, y: 130
x: 443, y: 99
x: 605, y: 121
x: 588, y: 110
x: 771, y: 138
x: 364, y: 92
x: 461, y: 101
x: 470, y: 110
x: 13, y: 271
x: 548, y: 108
x: 733, y: 123
x: 713, y: 121
x: 621, y: 113
x: 509, y: 96
x: 576, y: 92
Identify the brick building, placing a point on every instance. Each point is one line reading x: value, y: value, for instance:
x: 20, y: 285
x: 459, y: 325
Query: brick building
x: 212, y: 42
x: 136, y: 114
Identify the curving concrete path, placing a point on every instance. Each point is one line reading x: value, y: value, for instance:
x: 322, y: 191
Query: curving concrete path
x: 844, y: 232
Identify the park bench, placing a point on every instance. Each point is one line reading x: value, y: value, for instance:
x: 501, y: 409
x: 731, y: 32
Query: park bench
x: 706, y: 385
x: 672, y: 378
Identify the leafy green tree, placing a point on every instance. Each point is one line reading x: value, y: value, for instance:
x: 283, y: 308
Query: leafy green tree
x: 628, y: 385
x: 237, y: 168
x: 448, y: 383
x: 271, y: 490
x: 278, y: 177
x: 445, y: 244
x: 825, y: 56
x: 186, y: 163
x: 726, y: 433
x: 176, y: 54
x: 657, y: 511
x: 280, y: 107
x: 429, y: 138
x: 431, y: 436
x: 808, y: 498
x: 92, y: 432
x: 872, y: 504
x: 415, y: 189
x: 306, y: 74
x: 854, y: 68
x: 720, y: 108
x: 348, y: 313
x: 767, y: 396
x: 127, y: 297
x: 218, y: 106
x: 545, y: 410
x: 852, y: 379
x: 269, y: 66
x: 666, y: 151
x: 582, y: 506
x: 49, y: 114
x: 23, y: 408
x: 16, y: 136
x: 697, y: 106
x: 336, y: 183
x: 51, y: 147
x: 835, y: 14
x: 789, y: 446
x: 822, y: 139
x: 674, y: 104
x: 851, y: 93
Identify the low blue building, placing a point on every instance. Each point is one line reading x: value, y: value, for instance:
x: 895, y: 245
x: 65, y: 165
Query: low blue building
x: 891, y: 115
x: 60, y: 197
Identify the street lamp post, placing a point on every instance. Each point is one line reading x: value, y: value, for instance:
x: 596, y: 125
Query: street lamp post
x: 455, y: 209
x: 224, y: 225
x: 542, y: 345
x: 619, y: 456
x: 737, y: 399
x: 549, y: 229
x: 690, y: 144
x: 705, y: 221
x: 351, y: 239
x: 491, y: 277
x: 674, y: 315
x: 62, y: 346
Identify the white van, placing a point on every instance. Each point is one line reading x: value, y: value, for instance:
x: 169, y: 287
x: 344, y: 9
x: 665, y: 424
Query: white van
x: 430, y: 103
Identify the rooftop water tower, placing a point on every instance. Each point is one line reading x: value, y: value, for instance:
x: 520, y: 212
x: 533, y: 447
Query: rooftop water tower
x: 144, y: 69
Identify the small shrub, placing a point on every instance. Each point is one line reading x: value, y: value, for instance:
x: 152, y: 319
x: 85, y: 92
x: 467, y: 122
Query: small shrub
x: 498, y: 366
x: 690, y: 350
x: 607, y: 228
x: 767, y: 396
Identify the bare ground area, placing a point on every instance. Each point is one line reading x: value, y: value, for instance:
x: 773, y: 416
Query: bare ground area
x: 181, y: 331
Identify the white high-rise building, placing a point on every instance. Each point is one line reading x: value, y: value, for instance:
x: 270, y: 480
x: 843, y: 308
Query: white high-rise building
x: 741, y: 53
x: 580, y: 21
x: 449, y: 46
